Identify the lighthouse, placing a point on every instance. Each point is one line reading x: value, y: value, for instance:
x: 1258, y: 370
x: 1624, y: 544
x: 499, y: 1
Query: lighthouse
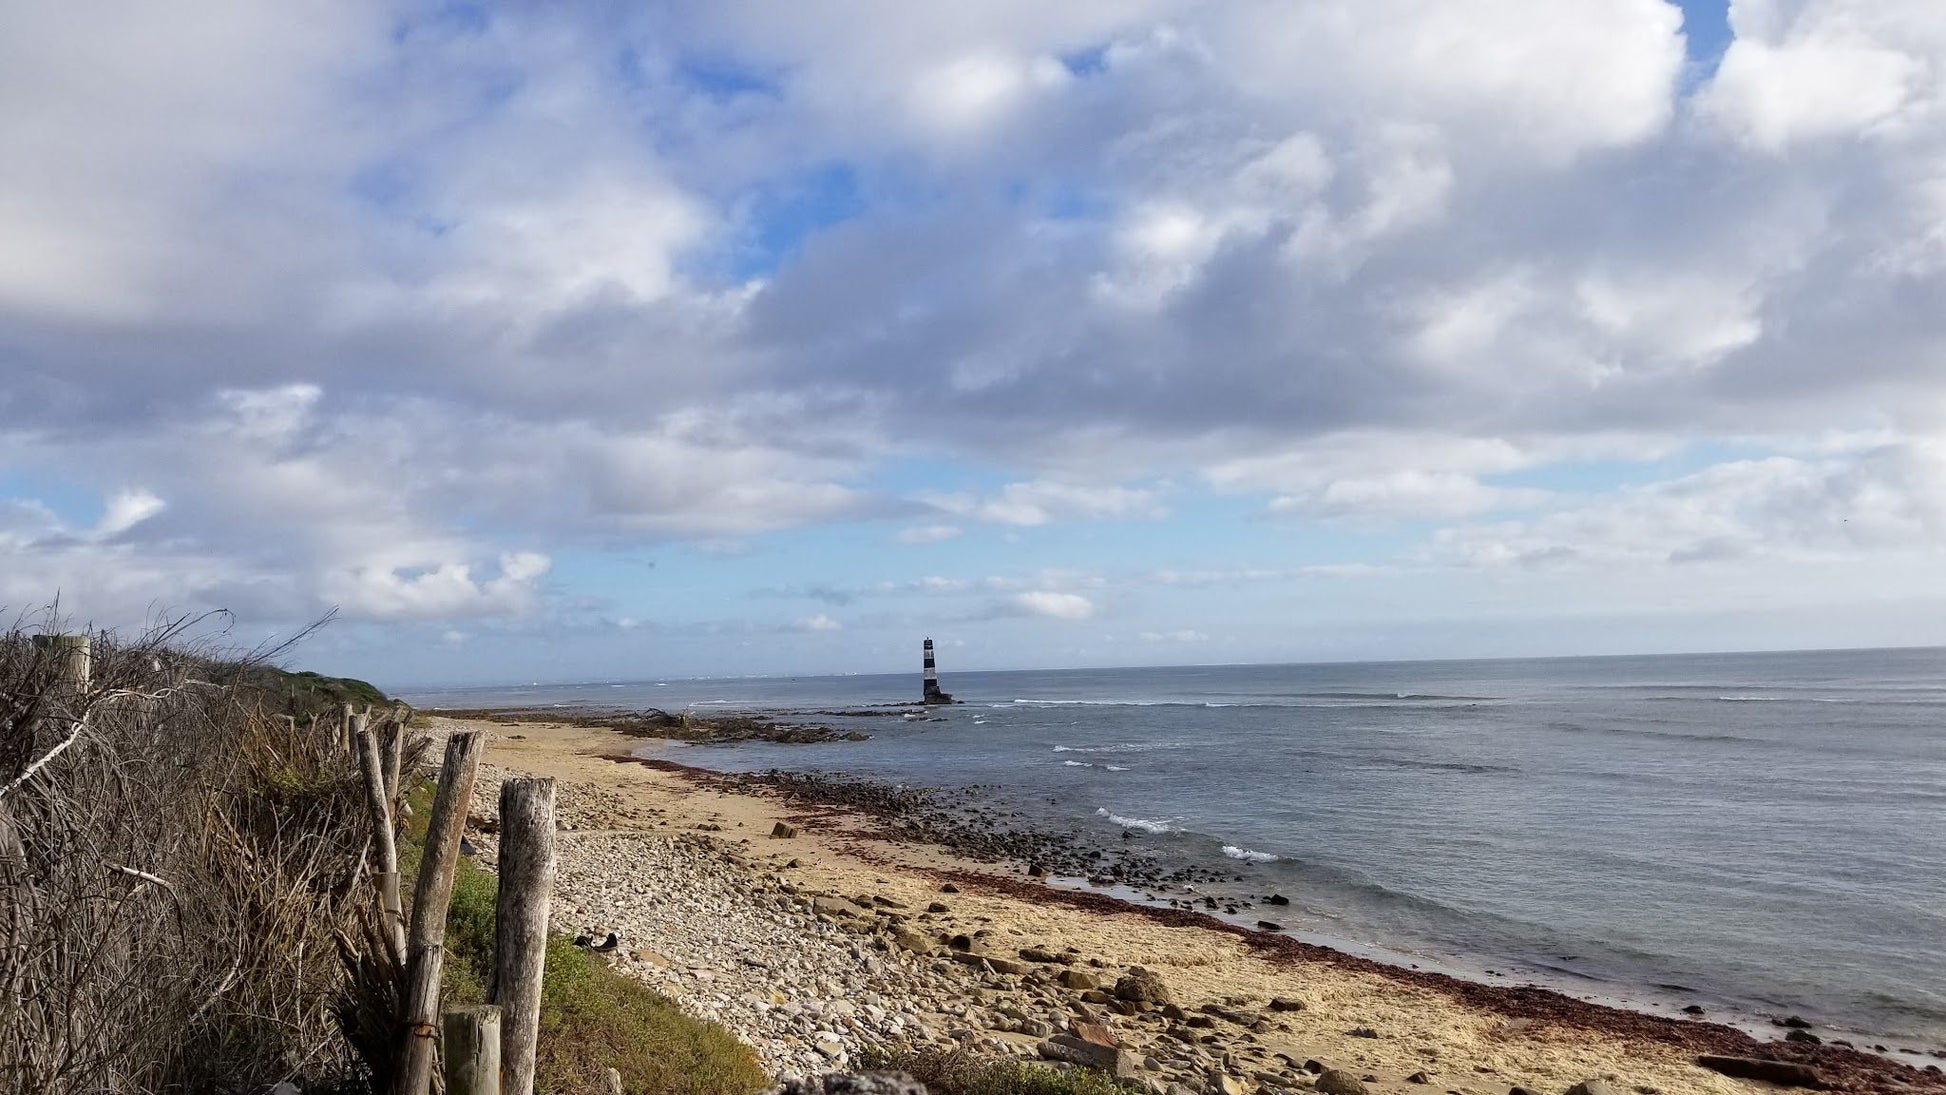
x: 932, y: 693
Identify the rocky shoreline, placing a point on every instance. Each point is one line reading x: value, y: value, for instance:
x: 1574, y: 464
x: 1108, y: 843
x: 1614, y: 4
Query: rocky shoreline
x: 653, y: 722
x: 723, y: 892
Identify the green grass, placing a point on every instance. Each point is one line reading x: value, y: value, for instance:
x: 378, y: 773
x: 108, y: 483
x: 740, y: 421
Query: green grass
x: 957, y: 1072
x: 592, y: 1018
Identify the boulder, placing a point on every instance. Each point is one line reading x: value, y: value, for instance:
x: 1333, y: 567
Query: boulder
x: 1805, y: 1037
x: 1115, y: 1061
x: 1142, y: 986
x: 1286, y: 1003
x: 1336, y: 1081
x: 783, y: 831
x: 1078, y: 980
x: 1595, y: 1086
x: 1786, y: 1073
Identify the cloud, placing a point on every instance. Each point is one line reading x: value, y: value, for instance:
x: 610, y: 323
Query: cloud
x: 1054, y: 605
x: 1042, y: 502
x: 819, y: 622
x: 928, y: 534
x: 1185, y: 635
x: 1888, y: 499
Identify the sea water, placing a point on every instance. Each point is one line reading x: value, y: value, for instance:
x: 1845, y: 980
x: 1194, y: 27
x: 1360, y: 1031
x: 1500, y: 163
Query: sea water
x: 1761, y: 833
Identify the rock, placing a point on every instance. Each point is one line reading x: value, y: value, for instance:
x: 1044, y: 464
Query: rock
x: 1036, y: 954
x: 783, y: 831
x: 1336, y: 1081
x: 1595, y: 1086
x: 1796, y: 1022
x: 867, y: 1083
x: 1418, y: 1078
x: 1787, y: 1073
x: 1693, y: 1009
x: 1094, y: 1033
x: 1805, y: 1037
x: 1362, y: 1032
x: 1278, y: 899
x: 1113, y: 1060
x: 911, y: 940
x: 1142, y: 986
x: 1285, y: 1003
x: 1269, y: 926
x: 1230, y: 1085
x: 1314, y: 1066
x: 961, y: 942
x: 1078, y: 980
x: 949, y: 888
x: 937, y: 907
x: 611, y: 1081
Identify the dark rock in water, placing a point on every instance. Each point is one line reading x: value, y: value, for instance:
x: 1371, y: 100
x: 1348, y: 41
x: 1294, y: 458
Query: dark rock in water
x: 1336, y: 1081
x: 1787, y: 1073
x: 868, y: 1083
x: 1693, y: 1009
x: 1142, y: 986
x: 1270, y: 925
x: 1805, y: 1037
x: 1278, y: 899
x: 783, y: 831
x: 1796, y: 1022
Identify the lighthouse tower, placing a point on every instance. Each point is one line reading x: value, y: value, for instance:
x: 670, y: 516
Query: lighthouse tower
x: 933, y: 694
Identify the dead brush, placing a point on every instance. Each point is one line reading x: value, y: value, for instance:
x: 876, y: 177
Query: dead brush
x: 178, y: 865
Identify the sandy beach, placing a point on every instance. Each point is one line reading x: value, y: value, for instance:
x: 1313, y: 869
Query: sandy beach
x: 813, y: 946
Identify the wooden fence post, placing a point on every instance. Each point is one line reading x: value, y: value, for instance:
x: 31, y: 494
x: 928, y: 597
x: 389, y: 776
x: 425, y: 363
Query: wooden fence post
x: 73, y: 657
x: 387, y: 876
x: 425, y: 941
x: 472, y: 1050
x: 394, y: 757
x: 520, y: 923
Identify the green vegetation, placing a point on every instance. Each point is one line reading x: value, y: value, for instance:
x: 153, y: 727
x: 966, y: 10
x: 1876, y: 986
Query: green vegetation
x: 957, y: 1072
x: 592, y: 1018
x: 306, y: 693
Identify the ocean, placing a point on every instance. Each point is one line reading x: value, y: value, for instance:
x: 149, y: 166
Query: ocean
x: 1762, y: 834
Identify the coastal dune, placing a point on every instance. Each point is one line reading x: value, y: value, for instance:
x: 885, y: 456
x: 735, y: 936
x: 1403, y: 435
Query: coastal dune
x: 812, y: 935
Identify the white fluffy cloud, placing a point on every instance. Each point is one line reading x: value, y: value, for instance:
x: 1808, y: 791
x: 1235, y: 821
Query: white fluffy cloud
x: 404, y: 309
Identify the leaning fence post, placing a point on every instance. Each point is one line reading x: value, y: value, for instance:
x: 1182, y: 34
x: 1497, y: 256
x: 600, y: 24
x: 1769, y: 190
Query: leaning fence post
x: 387, y: 875
x: 73, y: 657
x: 394, y: 758
x: 520, y: 922
x: 472, y: 1050
x: 426, y: 939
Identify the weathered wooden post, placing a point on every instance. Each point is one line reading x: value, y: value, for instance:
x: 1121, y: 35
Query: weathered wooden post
x: 425, y: 941
x: 520, y: 924
x: 394, y: 757
x: 472, y: 1050
x: 386, y: 878
x: 72, y: 657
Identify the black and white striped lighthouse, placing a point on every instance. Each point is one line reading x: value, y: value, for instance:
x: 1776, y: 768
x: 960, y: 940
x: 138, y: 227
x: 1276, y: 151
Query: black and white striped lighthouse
x: 932, y: 693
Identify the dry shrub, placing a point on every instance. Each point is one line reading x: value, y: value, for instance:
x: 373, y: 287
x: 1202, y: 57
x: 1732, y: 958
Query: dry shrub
x: 175, y: 880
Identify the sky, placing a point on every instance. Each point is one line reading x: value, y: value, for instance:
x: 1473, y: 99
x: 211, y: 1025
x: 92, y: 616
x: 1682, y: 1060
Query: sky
x: 593, y: 341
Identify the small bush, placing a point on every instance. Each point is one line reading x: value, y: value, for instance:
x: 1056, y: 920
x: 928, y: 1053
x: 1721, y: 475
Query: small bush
x: 957, y: 1072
